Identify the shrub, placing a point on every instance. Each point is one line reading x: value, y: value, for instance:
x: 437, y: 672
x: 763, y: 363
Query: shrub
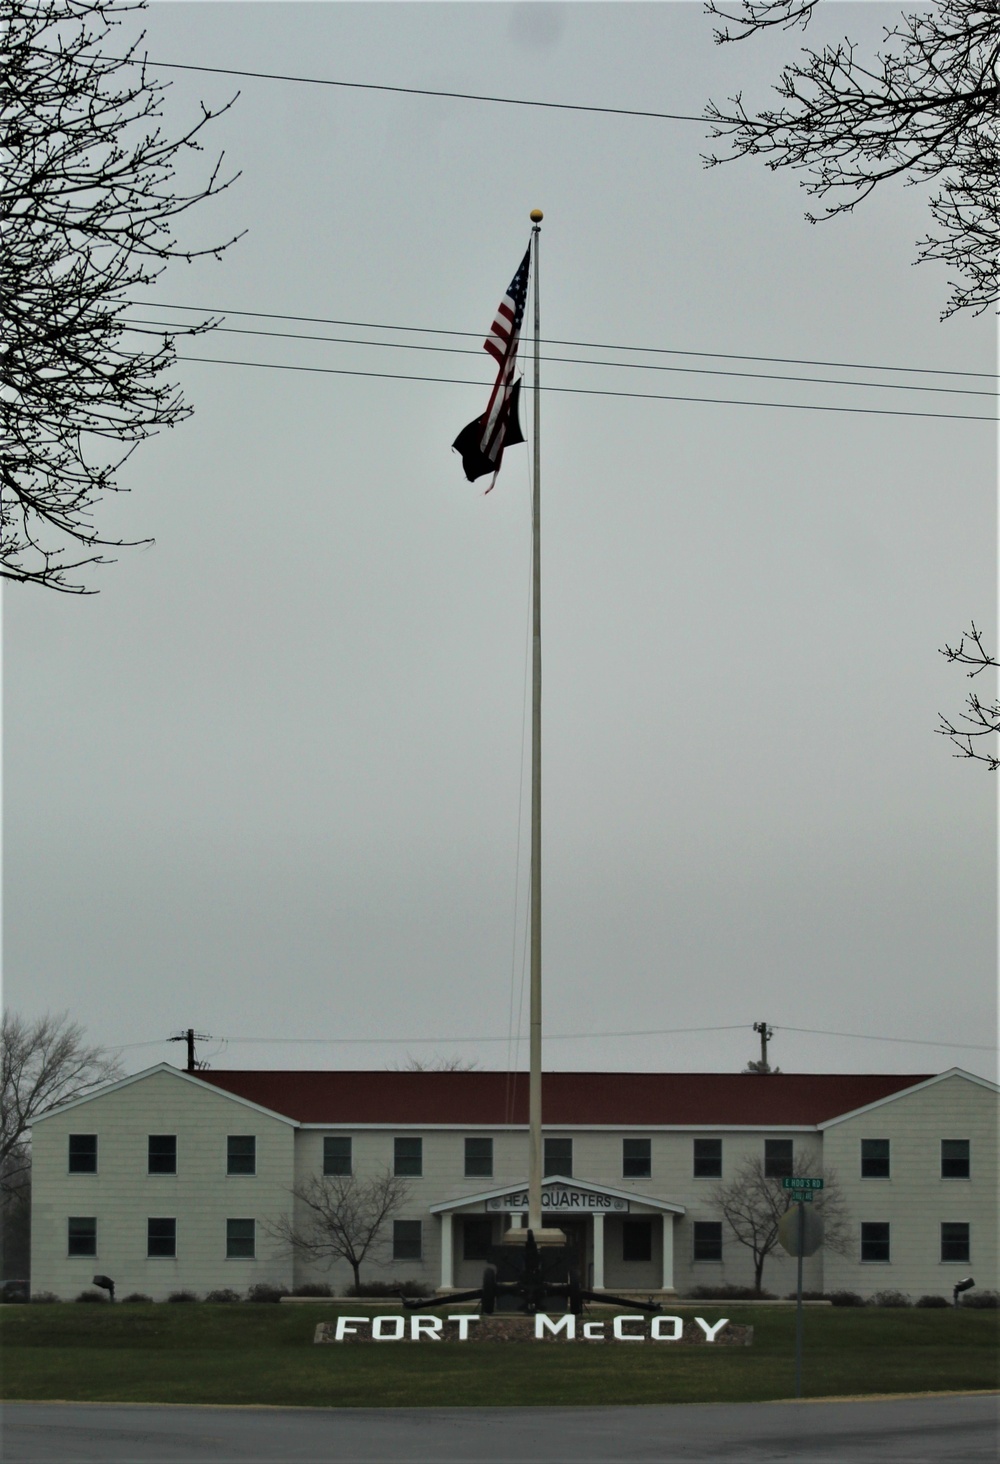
x: 890, y: 1298
x: 182, y: 1296
x: 14, y: 1291
x: 982, y: 1300
x: 932, y: 1301
x: 264, y: 1291
x: 313, y: 1288
x: 90, y: 1296
x: 137, y: 1298
x: 807, y: 1296
x: 846, y: 1298
x: 223, y: 1294
x: 45, y: 1298
x: 729, y: 1293
x: 389, y: 1288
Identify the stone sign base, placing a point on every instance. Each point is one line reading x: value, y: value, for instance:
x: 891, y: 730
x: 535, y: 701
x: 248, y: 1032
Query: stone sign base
x: 473, y: 1328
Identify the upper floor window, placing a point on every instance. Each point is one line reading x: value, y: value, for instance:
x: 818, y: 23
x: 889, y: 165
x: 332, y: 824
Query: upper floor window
x: 637, y: 1240
x: 955, y: 1159
x: 559, y: 1157
x: 83, y: 1153
x: 707, y: 1159
x: 874, y: 1158
x: 162, y: 1154
x: 81, y: 1235
x: 955, y: 1241
x: 241, y: 1154
x: 161, y: 1236
x: 408, y: 1160
x: 874, y: 1240
x: 637, y: 1158
x: 777, y: 1158
x: 337, y: 1157
x: 478, y: 1158
x: 708, y: 1240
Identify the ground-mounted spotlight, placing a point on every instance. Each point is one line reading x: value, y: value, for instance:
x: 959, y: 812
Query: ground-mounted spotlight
x: 961, y: 1286
x: 106, y: 1284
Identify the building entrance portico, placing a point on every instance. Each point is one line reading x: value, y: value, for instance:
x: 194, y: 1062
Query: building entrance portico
x: 622, y: 1240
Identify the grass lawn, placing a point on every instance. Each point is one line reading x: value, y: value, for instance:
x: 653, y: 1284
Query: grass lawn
x: 265, y: 1354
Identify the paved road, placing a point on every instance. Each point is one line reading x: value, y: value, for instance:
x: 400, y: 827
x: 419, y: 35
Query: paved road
x: 953, y: 1430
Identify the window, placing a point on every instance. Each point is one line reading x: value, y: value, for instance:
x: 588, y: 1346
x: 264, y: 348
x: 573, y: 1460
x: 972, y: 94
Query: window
x: 477, y: 1238
x: 478, y: 1161
x: 955, y: 1241
x: 708, y: 1158
x: 874, y: 1158
x: 336, y: 1155
x: 708, y: 1240
x: 81, y: 1235
x: 406, y: 1238
x: 408, y: 1160
x: 777, y: 1158
x: 637, y: 1240
x: 559, y: 1157
x: 955, y: 1159
x: 241, y: 1240
x: 637, y: 1159
x: 241, y: 1154
x: 874, y: 1240
x: 161, y: 1237
x: 162, y: 1154
x: 83, y: 1153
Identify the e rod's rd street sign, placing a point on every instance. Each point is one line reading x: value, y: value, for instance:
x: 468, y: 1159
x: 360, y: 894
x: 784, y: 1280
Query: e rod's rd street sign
x: 799, y: 1182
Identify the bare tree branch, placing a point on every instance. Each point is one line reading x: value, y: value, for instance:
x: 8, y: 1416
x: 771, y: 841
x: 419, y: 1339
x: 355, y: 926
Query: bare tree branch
x: 923, y: 108
x: 88, y: 208
x: 342, y: 1217
x: 42, y: 1063
x: 983, y: 717
x: 753, y: 1203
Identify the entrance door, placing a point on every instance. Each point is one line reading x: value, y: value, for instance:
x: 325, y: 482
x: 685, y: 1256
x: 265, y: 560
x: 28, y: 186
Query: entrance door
x: 574, y: 1227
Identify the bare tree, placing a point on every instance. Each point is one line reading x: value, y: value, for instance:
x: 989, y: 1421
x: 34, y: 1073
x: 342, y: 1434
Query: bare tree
x: 88, y: 205
x: 923, y: 108
x: 753, y: 1203
x: 433, y: 1065
x: 42, y: 1063
x: 344, y: 1217
x: 983, y: 717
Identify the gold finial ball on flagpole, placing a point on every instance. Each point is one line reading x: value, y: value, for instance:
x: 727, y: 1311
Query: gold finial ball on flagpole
x: 536, y: 216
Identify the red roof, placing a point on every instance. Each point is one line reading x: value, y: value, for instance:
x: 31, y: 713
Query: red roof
x: 621, y: 1100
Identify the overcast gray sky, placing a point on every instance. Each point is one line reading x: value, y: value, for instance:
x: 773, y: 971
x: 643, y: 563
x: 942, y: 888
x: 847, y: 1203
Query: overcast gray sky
x: 267, y: 782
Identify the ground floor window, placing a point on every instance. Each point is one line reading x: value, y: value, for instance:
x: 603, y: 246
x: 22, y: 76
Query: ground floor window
x: 955, y: 1241
x: 477, y: 1238
x: 406, y: 1240
x: 161, y: 1236
x: 874, y: 1240
x: 637, y: 1240
x: 241, y: 1240
x: 81, y: 1235
x: 708, y: 1240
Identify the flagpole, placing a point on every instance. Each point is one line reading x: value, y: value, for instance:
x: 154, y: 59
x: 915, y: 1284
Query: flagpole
x: 535, y: 1074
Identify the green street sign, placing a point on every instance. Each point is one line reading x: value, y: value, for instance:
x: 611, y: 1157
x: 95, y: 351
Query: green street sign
x: 798, y: 1182
x: 802, y: 1197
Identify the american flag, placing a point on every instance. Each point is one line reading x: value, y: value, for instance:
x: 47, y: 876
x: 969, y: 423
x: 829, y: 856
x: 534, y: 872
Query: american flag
x: 482, y: 442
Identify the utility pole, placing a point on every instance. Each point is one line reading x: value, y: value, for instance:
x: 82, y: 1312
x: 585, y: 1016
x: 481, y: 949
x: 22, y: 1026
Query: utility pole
x: 766, y: 1033
x: 190, y: 1037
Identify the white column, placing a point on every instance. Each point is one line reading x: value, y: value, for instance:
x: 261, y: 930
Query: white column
x: 447, y: 1265
x: 598, y: 1251
x: 668, y: 1251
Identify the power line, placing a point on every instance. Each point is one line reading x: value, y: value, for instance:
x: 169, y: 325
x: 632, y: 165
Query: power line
x: 595, y: 391
x: 581, y: 345
x: 282, y: 335
x: 414, y: 91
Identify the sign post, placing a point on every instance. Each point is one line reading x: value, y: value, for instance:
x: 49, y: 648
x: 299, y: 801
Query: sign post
x: 802, y: 1242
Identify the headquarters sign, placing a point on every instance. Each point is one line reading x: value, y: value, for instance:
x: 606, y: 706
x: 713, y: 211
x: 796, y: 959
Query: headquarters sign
x: 561, y: 1199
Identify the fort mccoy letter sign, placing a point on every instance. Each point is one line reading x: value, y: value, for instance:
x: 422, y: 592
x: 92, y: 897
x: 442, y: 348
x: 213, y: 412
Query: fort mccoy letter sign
x: 471, y: 1327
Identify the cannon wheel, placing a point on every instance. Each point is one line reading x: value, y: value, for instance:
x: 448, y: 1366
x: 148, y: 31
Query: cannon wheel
x: 489, y: 1301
